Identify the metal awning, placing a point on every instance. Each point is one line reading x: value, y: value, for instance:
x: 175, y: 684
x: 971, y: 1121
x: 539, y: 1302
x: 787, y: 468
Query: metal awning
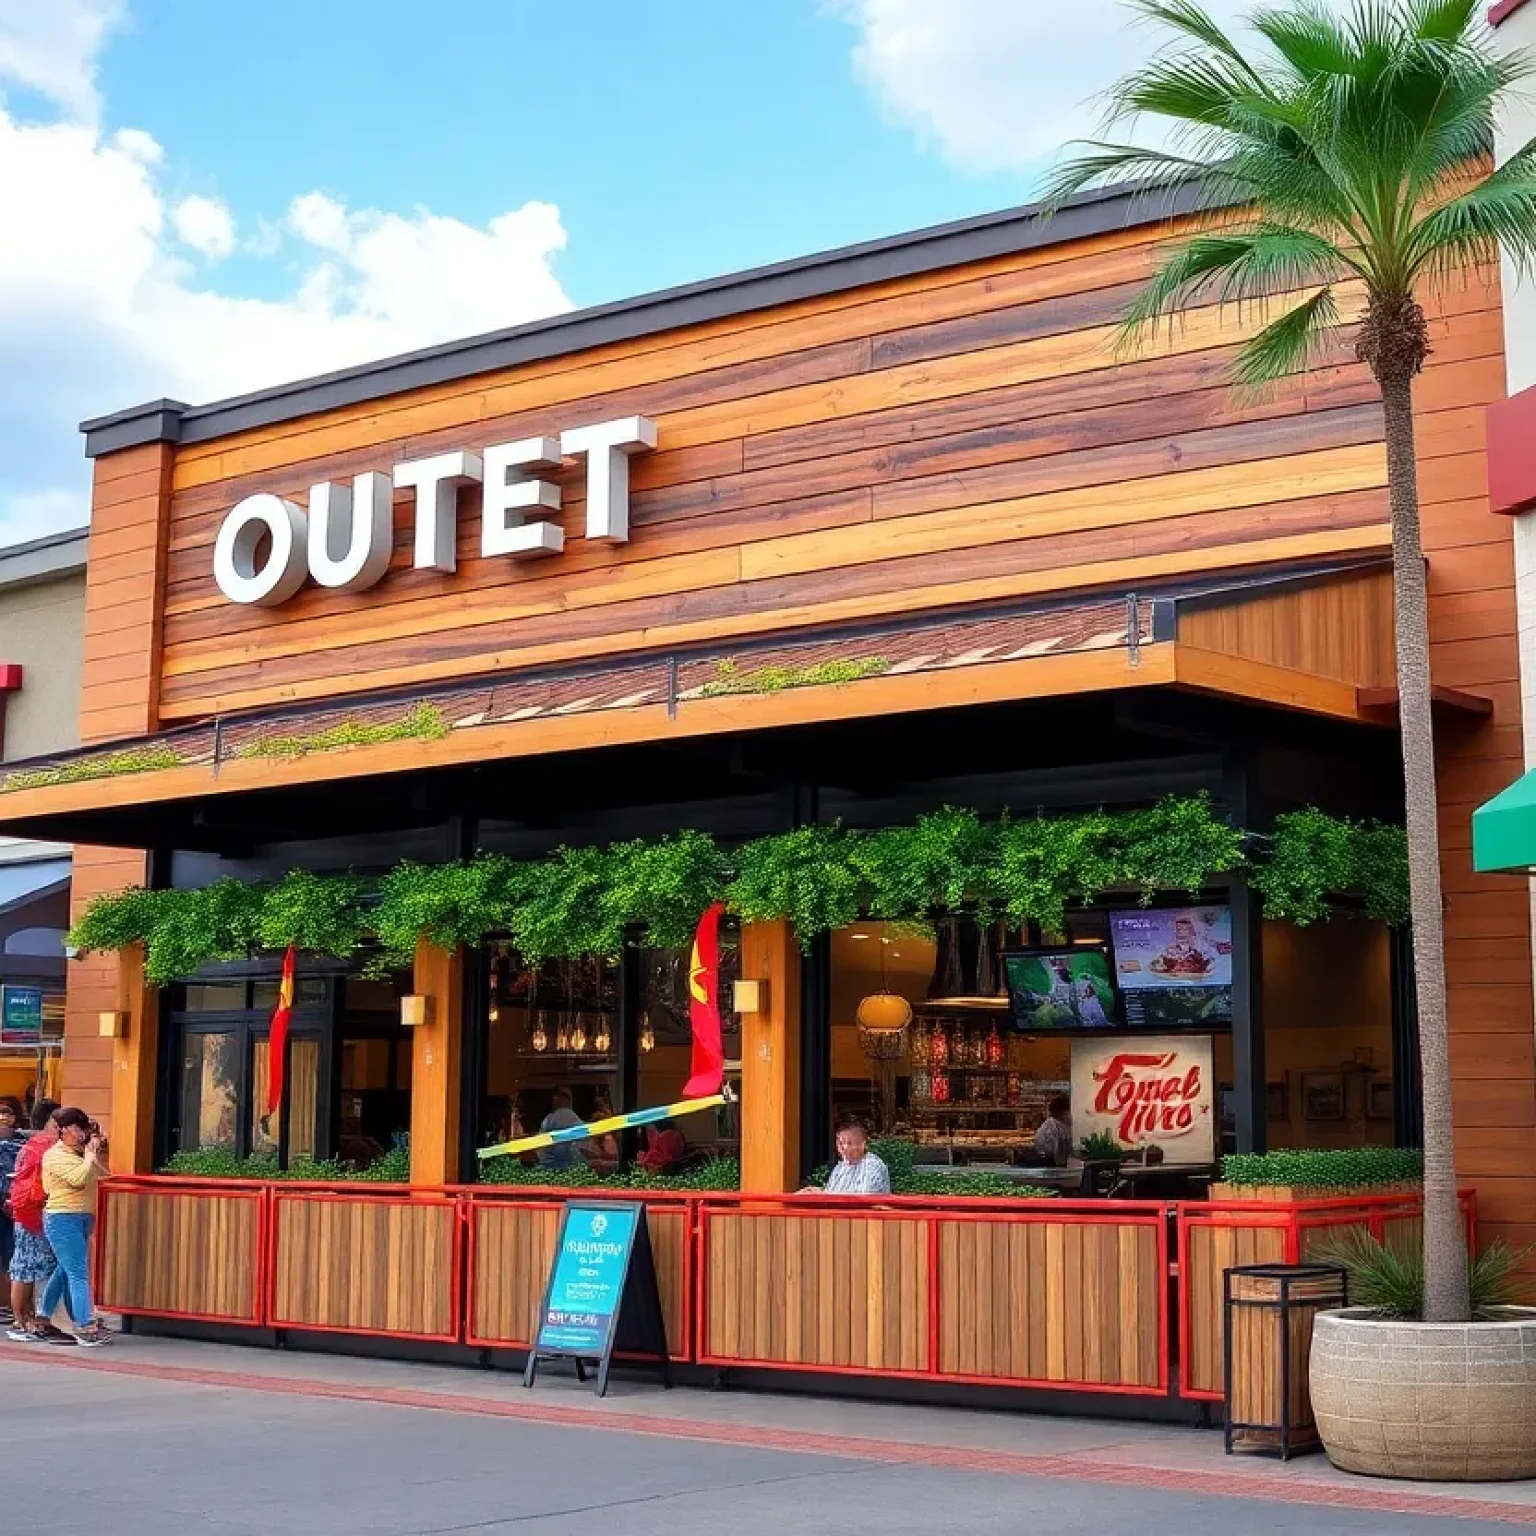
x: 1504, y: 830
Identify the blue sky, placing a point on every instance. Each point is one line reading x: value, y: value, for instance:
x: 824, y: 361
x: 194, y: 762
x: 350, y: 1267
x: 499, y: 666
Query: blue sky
x: 203, y: 197
x: 679, y: 140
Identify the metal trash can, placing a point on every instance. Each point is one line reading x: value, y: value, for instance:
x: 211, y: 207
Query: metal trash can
x: 1268, y: 1315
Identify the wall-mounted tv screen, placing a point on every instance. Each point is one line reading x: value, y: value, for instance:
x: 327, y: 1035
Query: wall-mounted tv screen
x: 1173, y: 966
x: 1055, y: 991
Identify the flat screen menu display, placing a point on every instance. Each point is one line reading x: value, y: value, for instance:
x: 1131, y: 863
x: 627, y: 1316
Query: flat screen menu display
x: 1058, y: 991
x: 1173, y: 966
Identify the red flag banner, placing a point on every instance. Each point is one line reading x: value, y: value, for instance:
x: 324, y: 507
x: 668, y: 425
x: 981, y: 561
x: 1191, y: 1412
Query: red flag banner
x: 708, y: 1064
x: 277, y: 1039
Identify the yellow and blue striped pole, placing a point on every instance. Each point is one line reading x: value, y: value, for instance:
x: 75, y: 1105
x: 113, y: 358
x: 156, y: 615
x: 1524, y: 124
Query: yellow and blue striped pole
x: 614, y: 1123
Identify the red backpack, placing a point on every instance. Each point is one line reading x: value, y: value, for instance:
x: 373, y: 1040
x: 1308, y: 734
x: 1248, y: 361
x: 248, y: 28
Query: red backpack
x: 27, y: 1196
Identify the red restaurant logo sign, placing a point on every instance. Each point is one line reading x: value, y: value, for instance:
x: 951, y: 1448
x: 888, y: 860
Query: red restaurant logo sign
x: 1146, y: 1092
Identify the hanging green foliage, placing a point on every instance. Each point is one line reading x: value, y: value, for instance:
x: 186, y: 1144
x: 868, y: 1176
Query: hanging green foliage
x: 445, y: 904
x: 1312, y: 857
x: 663, y: 886
x: 586, y: 901
x: 806, y: 876
x: 320, y: 913
x: 946, y: 859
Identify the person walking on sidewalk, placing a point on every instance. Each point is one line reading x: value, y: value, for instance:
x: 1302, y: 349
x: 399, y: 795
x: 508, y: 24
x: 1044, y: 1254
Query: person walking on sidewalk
x: 32, y: 1264
x: 12, y: 1140
x: 72, y: 1168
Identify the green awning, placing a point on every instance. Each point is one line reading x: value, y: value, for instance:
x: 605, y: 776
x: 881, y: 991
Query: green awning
x: 1504, y: 830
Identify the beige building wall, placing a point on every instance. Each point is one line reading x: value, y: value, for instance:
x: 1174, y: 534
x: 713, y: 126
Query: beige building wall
x: 42, y: 627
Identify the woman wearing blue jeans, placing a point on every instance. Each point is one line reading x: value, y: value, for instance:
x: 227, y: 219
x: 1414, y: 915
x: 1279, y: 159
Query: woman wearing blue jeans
x: 72, y: 1167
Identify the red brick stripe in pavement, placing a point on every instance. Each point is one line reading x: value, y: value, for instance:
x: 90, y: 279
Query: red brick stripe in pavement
x: 1364, y: 1495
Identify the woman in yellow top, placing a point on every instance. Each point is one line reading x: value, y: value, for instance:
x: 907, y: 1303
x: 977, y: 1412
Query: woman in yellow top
x: 71, y: 1170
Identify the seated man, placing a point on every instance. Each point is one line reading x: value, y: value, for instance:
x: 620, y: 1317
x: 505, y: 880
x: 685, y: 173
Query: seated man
x: 1053, y: 1141
x: 561, y: 1118
x: 858, y: 1170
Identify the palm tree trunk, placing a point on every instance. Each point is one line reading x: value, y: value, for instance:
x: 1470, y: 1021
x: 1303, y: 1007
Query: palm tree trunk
x: 1446, y: 1298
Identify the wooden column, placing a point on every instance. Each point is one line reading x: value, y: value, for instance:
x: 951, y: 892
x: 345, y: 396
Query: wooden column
x: 770, y: 1062
x: 437, y: 1055
x: 134, y: 1057
x: 119, y: 698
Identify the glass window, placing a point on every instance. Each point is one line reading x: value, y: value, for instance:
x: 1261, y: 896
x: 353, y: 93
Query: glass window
x: 213, y: 996
x: 1327, y: 1020
x: 308, y: 992
x: 665, y: 1046
x: 208, y: 1102
x: 303, y: 1097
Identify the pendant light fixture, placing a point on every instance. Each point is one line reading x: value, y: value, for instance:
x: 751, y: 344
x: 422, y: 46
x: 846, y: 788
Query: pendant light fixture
x: 603, y: 1039
x: 647, y: 1032
x: 540, y: 1040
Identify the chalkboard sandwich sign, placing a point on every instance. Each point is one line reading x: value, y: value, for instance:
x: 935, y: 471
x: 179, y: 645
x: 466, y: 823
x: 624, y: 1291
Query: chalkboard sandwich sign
x: 601, y: 1295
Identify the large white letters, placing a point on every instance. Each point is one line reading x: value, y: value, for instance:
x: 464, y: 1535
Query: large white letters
x: 436, y: 482
x: 267, y: 544
x: 608, y: 446
x: 366, y: 511
x: 281, y: 524
x: 509, y: 494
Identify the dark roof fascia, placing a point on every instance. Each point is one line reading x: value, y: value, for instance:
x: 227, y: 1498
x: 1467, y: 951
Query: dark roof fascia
x: 807, y: 277
x: 45, y: 559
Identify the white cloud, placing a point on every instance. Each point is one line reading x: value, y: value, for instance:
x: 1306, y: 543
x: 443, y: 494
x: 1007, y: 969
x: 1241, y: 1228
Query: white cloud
x: 1000, y: 85
x: 206, y: 225
x: 50, y: 46
x: 101, y: 307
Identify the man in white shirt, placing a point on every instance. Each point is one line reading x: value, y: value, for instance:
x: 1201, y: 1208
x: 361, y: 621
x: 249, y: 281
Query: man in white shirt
x: 1053, y: 1141
x: 858, y: 1170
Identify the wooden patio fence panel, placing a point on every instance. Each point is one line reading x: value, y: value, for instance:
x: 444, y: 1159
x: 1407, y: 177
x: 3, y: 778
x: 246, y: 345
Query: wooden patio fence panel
x: 816, y: 1289
x: 1075, y: 1301
x: 182, y: 1252
x: 349, y: 1262
x: 511, y: 1244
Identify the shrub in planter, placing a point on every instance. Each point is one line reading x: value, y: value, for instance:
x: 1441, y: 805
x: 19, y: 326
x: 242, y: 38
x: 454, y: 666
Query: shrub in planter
x: 1398, y: 1397
x: 1298, y: 1175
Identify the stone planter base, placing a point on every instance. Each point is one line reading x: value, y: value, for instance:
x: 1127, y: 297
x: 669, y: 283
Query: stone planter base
x: 1433, y: 1401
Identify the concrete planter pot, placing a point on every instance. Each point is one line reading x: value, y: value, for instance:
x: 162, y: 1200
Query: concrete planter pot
x: 1438, y: 1402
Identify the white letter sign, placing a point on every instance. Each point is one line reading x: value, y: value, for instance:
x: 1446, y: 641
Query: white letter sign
x: 346, y: 541
x: 366, y: 511
x: 281, y: 573
x: 608, y: 446
x: 436, y: 482
x: 509, y: 494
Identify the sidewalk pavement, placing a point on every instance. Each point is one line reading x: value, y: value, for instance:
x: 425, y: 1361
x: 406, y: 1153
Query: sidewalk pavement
x: 1151, y: 1455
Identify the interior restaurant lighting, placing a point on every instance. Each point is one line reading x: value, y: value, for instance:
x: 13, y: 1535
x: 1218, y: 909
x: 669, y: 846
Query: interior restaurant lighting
x: 540, y: 1040
x: 982, y: 984
x: 647, y: 1033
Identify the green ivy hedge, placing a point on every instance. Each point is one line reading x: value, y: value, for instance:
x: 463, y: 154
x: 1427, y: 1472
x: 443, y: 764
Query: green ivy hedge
x: 582, y: 901
x: 393, y: 1167
x: 721, y: 1173
x: 1348, y: 1168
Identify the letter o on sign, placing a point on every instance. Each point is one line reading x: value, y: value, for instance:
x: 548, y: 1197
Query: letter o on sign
x: 283, y: 566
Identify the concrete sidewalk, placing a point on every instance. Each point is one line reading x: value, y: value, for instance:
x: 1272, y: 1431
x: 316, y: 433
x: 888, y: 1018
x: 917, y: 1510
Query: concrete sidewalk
x: 1158, y: 1456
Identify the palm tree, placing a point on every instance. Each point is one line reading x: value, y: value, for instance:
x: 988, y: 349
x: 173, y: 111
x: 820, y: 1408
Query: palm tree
x: 1346, y: 159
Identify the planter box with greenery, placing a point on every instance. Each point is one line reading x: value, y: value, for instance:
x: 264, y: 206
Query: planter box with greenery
x: 1313, y: 1175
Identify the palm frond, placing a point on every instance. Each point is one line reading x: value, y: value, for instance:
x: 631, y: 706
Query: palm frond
x: 1240, y: 267
x: 1311, y: 41
x: 1442, y: 21
x: 1190, y: 21
x: 1497, y: 214
x: 1289, y: 344
x: 1108, y: 165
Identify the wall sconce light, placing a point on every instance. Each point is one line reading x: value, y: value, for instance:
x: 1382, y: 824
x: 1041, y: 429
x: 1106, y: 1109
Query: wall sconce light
x: 749, y: 997
x: 112, y: 1025
x: 415, y: 1010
